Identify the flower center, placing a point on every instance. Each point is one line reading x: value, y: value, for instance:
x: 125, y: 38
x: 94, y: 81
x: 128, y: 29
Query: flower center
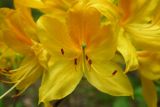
x: 85, y: 59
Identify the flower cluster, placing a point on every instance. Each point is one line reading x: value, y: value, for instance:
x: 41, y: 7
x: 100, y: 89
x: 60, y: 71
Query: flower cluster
x: 99, y: 40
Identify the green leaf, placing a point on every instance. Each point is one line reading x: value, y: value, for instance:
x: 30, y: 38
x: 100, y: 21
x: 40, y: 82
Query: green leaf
x: 121, y: 102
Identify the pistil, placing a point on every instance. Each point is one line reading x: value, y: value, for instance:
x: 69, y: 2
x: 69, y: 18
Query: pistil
x: 84, y: 57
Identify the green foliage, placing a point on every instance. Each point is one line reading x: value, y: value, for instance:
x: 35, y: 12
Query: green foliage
x: 121, y: 102
x: 6, y: 3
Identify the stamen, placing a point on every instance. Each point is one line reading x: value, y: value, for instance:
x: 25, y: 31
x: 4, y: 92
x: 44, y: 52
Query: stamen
x: 8, y: 91
x: 62, y: 51
x: 86, y: 57
x: 75, y: 61
x: 150, y: 21
x: 89, y: 61
x: 114, y: 73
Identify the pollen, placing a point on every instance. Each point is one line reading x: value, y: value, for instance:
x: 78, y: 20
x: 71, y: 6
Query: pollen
x: 114, y: 73
x: 62, y: 51
x: 89, y: 61
x: 86, y: 57
x: 75, y: 61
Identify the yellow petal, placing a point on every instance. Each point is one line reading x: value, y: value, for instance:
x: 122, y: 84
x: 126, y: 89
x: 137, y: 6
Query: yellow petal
x: 109, y: 78
x: 4, y: 13
x: 106, y: 8
x: 47, y: 6
x: 126, y: 6
x: 128, y: 51
x: 144, y: 29
x: 61, y: 79
x: 129, y: 8
x: 58, y: 5
x: 29, y: 3
x: 137, y: 10
x: 82, y: 27
x: 149, y: 92
x: 17, y: 29
x: 54, y: 31
x: 103, y: 45
x: 22, y: 18
x: 47, y: 104
x: 156, y: 17
x: 99, y: 40
x: 146, y: 10
x: 145, y: 36
x: 149, y: 64
x: 16, y: 41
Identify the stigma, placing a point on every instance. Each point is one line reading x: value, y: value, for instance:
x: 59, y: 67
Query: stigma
x: 84, y: 45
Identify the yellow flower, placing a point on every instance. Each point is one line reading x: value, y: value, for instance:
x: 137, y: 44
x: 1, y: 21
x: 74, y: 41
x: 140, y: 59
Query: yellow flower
x: 60, y: 7
x: 80, y: 45
x: 138, y: 26
x: 56, y: 6
x: 19, y: 33
x: 139, y: 30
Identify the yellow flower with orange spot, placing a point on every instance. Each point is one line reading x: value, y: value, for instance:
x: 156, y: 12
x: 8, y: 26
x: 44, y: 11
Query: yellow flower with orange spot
x: 80, y: 46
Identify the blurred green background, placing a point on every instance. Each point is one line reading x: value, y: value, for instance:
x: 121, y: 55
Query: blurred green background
x: 84, y: 96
